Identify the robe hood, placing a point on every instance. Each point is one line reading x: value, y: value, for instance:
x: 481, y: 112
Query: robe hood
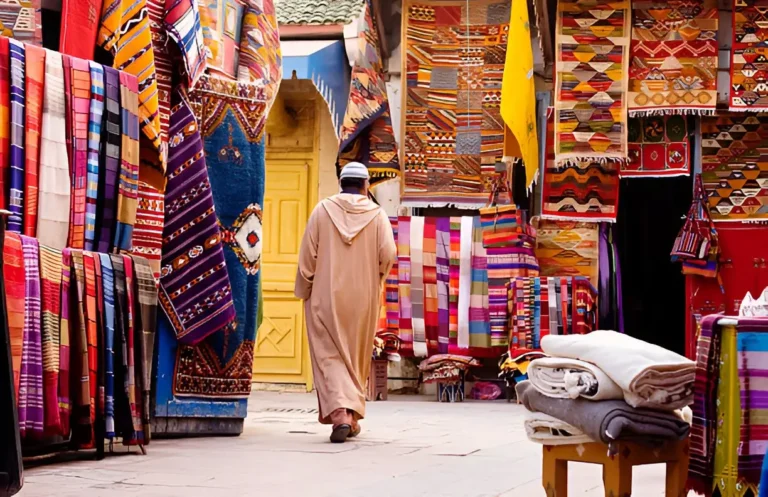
x: 350, y: 214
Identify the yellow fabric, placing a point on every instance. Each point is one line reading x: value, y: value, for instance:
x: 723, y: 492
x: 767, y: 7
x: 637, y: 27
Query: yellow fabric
x: 518, y: 94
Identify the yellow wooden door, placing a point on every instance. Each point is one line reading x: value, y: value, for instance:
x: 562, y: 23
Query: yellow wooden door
x: 281, y: 350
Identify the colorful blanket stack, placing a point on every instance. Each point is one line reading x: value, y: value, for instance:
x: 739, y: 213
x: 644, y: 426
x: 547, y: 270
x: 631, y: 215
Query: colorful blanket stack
x: 606, y: 387
x: 82, y: 331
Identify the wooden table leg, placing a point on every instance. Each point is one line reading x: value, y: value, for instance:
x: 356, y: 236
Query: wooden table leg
x: 554, y: 475
x: 617, y: 477
x: 677, y: 473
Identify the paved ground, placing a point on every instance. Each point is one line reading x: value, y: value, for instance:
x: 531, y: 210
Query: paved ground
x: 411, y: 446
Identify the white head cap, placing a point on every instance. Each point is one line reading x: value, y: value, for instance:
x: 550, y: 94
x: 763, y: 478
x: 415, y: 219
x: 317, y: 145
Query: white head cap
x: 354, y: 170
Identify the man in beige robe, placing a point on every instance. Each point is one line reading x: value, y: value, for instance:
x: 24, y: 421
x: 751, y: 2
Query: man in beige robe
x: 347, y: 251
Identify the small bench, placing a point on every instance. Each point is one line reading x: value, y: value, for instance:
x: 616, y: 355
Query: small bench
x: 617, y: 469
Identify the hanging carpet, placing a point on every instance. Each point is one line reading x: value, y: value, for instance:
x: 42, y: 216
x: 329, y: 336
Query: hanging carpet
x: 658, y: 147
x: 566, y: 248
x: 748, y: 91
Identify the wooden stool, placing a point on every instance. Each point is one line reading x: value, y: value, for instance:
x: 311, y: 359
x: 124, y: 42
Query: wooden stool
x: 617, y: 469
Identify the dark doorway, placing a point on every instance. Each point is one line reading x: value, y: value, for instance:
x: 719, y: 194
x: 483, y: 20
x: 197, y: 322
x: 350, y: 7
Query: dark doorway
x: 650, y: 216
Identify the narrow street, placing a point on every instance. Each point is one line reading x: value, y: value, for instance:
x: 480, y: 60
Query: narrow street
x: 410, y: 446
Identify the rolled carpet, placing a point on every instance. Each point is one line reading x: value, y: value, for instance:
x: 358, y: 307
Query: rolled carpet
x: 570, y: 378
x: 607, y: 421
x: 546, y: 430
x: 650, y: 376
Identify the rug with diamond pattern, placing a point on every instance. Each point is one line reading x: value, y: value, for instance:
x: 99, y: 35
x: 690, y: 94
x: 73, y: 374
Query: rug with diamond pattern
x: 674, y: 57
x: 749, y: 88
x: 735, y: 166
x: 592, y: 51
x: 231, y: 117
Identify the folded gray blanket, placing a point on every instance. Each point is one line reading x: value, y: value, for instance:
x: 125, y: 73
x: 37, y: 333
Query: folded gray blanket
x: 608, y: 420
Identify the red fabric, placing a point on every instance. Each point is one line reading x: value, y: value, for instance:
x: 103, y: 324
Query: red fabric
x: 92, y: 330
x: 13, y: 273
x: 431, y: 315
x: 80, y: 22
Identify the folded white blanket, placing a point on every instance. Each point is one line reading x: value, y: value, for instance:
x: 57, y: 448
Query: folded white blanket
x: 649, y: 375
x: 564, y: 378
x: 544, y: 429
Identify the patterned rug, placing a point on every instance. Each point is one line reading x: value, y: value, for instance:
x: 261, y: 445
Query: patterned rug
x: 750, y: 32
x: 592, y: 43
x: 366, y: 133
x: 231, y: 117
x: 735, y: 166
x: 674, y: 57
x: 658, y: 147
x: 584, y: 191
x: 568, y: 249
x: 454, y: 133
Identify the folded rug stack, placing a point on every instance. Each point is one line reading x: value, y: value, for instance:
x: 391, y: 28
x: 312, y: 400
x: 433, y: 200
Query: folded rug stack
x: 606, y: 387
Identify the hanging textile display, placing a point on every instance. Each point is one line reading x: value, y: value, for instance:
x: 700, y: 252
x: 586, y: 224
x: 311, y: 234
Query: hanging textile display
x: 518, y: 95
x: 231, y: 117
x: 261, y: 59
x: 479, y: 313
x: 16, y: 197
x: 30, y: 401
x: 454, y: 279
x: 592, y: 45
x: 163, y: 67
x: 94, y: 143
x: 191, y: 232
x: 658, y: 147
x: 453, y: 129
x: 443, y: 268
x: 5, y: 116
x: 22, y: 21
x: 734, y: 166
x: 417, y: 287
x: 581, y: 191
x: 54, y: 201
x: 35, y: 76
x: 79, y: 27
x: 391, y: 287
x: 148, y: 230
x: 747, y: 88
x: 14, y: 276
x: 404, y: 277
x: 110, y: 161
x: 222, y: 22
x: 50, y: 305
x: 80, y: 88
x: 125, y: 33
x: 65, y: 328
x: 182, y: 25
x: 366, y: 133
x: 568, y: 248
x: 673, y: 67
x: 128, y: 184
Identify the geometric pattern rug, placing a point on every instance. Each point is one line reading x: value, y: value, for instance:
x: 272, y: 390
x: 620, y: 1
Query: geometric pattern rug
x: 748, y: 89
x: 735, y: 166
x: 674, y: 57
x: 658, y: 147
x: 568, y: 248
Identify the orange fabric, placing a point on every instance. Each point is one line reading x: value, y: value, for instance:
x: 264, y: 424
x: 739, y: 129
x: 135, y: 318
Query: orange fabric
x: 13, y: 274
x: 35, y: 72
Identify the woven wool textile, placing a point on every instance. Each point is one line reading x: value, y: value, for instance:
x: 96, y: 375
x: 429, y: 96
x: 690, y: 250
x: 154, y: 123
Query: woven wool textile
x: 222, y: 22
x: 366, y: 133
x: 108, y: 333
x: 50, y: 286
x: 146, y: 325
x: 80, y: 88
x: 16, y: 196
x: 231, y: 117
x: 391, y: 290
x: 568, y: 249
x: 453, y: 281
x: 94, y: 143
x: 182, y: 24
x: 65, y: 301
x: 128, y: 183
x: 54, y: 201
x: 31, y: 413
x: 82, y: 429
x: 92, y: 333
x: 674, y: 57
x: 163, y: 68
x: 261, y: 59
x: 148, y: 230
x: 752, y: 351
x: 79, y: 27
x: 5, y: 117
x: 748, y: 91
x: 35, y: 77
x: 193, y: 258
x: 658, y: 147
x: 479, y: 313
x: 431, y: 319
x: 125, y: 33
x: 110, y: 162
x: 735, y: 166
x: 584, y: 191
x: 13, y: 273
x: 418, y: 284
x: 133, y: 359
x: 404, y: 280
x: 453, y: 132
x: 22, y: 21
x: 443, y: 282
x: 592, y: 44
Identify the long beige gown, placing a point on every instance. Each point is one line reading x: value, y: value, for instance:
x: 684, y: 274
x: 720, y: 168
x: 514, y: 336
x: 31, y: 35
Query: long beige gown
x: 346, y: 253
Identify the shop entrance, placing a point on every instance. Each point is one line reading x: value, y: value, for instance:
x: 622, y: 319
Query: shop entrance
x: 650, y: 216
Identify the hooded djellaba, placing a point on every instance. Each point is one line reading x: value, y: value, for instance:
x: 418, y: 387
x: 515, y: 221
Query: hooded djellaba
x: 347, y: 250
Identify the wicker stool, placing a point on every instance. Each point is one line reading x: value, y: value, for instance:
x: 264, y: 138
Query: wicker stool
x: 617, y: 469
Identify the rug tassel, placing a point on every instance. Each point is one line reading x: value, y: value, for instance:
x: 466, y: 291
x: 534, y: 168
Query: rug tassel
x: 671, y: 112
